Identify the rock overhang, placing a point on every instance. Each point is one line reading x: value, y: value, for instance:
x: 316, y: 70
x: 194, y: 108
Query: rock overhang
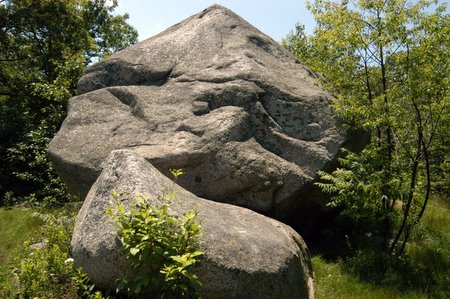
x: 213, y: 95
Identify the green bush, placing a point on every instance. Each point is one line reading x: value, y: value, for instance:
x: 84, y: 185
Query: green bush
x: 160, y: 245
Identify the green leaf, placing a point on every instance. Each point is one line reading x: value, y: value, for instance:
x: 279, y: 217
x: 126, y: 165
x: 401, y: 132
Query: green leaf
x: 134, y: 251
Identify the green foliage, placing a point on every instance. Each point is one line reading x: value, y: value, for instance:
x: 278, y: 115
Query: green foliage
x: 85, y: 289
x: 389, y: 63
x: 45, y: 45
x: 43, y: 267
x: 160, y: 245
x: 360, y: 187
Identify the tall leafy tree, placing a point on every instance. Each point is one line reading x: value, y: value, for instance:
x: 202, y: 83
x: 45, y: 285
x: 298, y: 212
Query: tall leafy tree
x: 44, y: 47
x: 389, y: 62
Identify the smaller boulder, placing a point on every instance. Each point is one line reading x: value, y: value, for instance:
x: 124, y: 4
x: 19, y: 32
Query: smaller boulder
x: 246, y: 255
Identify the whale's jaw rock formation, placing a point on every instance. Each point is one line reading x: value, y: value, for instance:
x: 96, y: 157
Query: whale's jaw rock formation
x: 213, y: 95
x: 246, y: 255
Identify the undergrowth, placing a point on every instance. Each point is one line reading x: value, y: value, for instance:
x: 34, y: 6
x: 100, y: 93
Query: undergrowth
x: 36, y: 262
x: 344, y: 266
x: 354, y: 267
x: 41, y: 266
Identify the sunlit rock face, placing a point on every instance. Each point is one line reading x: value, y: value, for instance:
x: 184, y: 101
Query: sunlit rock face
x: 246, y: 255
x: 247, y: 122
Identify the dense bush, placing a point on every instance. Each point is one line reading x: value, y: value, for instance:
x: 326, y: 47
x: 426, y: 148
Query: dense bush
x: 162, y: 246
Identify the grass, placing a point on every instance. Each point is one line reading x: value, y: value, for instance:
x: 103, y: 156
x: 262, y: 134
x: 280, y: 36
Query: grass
x: 16, y: 226
x: 37, y: 273
x: 423, y: 271
x: 333, y: 281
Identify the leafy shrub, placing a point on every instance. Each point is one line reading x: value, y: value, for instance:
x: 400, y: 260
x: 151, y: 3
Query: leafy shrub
x: 360, y: 189
x: 160, y: 245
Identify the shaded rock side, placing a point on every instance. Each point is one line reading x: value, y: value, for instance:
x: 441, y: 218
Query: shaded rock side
x: 214, y: 96
x: 247, y: 255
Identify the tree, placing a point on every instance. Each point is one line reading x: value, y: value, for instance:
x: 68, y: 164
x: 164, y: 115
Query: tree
x: 389, y: 62
x: 45, y: 45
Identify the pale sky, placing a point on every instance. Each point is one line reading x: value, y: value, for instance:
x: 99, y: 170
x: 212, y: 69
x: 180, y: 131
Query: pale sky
x: 275, y: 18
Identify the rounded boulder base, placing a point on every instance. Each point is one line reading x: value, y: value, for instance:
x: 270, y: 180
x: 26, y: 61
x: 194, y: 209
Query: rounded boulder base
x: 246, y: 255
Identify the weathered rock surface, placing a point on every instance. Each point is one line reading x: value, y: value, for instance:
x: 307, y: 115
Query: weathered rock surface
x: 214, y: 96
x: 247, y: 255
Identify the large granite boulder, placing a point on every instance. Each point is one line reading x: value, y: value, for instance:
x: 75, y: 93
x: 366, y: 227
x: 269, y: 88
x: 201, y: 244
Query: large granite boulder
x: 212, y: 95
x: 247, y: 255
